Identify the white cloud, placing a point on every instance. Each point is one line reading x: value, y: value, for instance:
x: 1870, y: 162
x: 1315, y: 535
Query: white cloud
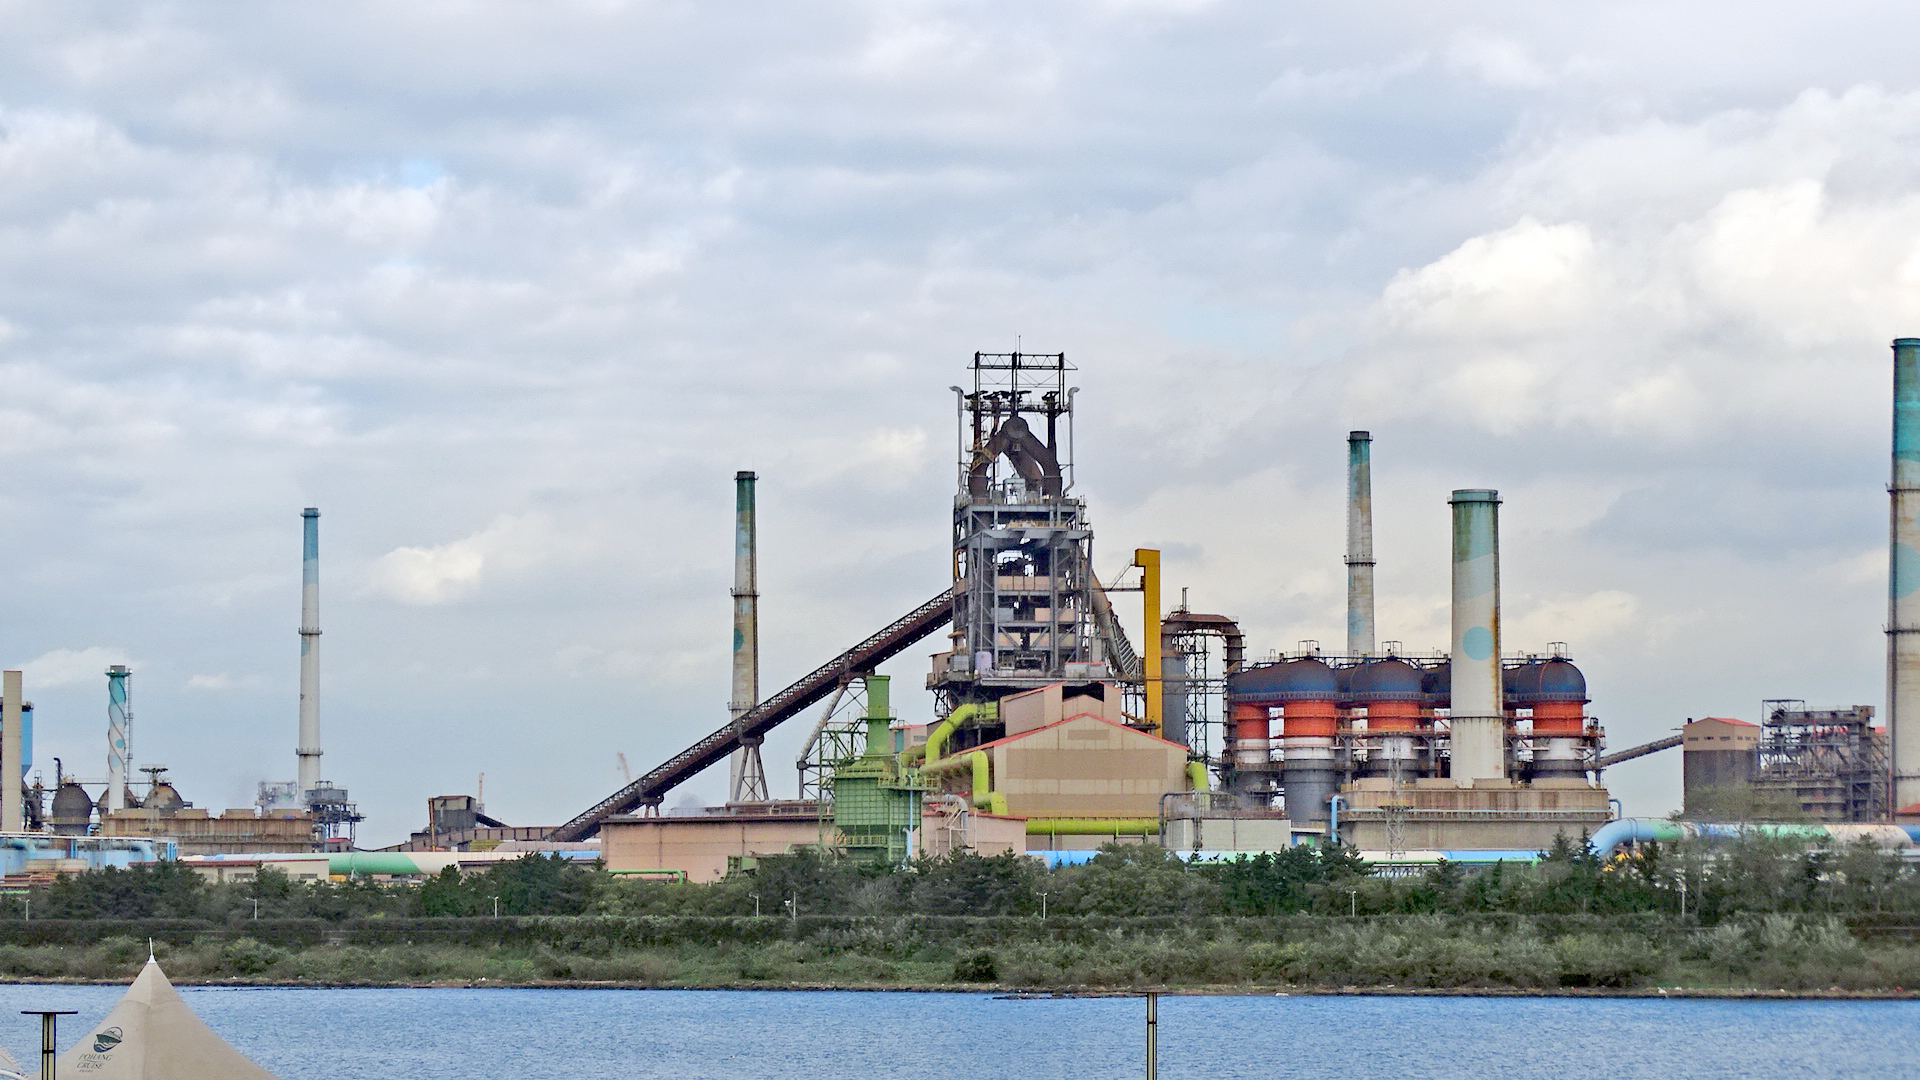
x: 513, y: 314
x: 71, y: 667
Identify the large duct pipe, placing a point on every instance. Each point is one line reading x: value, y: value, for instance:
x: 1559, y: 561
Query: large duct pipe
x: 309, y: 749
x: 1479, y: 719
x: 119, y: 737
x: 12, y: 808
x: 1360, y: 636
x: 748, y: 780
x: 1903, y: 578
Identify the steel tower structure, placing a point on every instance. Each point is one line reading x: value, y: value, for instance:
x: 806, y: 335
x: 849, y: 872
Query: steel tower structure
x: 1027, y: 611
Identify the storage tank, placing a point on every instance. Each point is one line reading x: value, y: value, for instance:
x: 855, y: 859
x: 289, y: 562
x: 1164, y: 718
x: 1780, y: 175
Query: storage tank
x: 1391, y: 692
x: 1251, y: 695
x: 72, y: 807
x: 1556, y: 691
x: 1308, y: 694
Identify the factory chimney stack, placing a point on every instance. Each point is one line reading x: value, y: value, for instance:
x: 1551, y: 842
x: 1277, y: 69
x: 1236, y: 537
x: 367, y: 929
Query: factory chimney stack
x: 119, y: 736
x: 12, y: 748
x: 1360, y: 634
x: 309, y: 748
x: 748, y: 779
x: 1478, y: 712
x: 1903, y: 578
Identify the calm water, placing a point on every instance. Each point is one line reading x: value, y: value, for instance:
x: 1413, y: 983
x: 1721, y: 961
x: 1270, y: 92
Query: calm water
x: 693, y: 1035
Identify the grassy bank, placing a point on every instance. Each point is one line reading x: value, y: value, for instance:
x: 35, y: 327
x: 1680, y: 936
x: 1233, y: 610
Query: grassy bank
x: 1623, y: 954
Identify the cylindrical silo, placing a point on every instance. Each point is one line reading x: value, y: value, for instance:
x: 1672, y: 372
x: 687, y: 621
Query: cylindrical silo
x: 1391, y: 692
x: 1556, y: 691
x: 1479, y: 720
x: 1310, y: 720
x: 1360, y: 634
x: 1903, y: 578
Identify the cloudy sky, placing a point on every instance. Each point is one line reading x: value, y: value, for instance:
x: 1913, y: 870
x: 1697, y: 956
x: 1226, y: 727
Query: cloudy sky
x: 510, y: 291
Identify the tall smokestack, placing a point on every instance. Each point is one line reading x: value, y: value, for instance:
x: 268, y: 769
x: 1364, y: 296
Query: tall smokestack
x: 748, y: 780
x: 1359, y: 544
x: 1903, y: 578
x: 119, y: 737
x: 309, y: 749
x: 1479, y: 718
x: 12, y: 810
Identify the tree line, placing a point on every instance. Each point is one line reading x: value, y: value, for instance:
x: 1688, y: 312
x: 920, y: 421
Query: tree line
x: 1704, y: 883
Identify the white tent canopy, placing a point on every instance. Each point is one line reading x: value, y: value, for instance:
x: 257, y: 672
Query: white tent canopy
x: 153, y: 1035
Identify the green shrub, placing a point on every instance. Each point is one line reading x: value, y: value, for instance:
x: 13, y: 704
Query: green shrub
x: 976, y: 966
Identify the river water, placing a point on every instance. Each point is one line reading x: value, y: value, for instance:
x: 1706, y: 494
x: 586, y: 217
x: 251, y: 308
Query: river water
x: 729, y: 1035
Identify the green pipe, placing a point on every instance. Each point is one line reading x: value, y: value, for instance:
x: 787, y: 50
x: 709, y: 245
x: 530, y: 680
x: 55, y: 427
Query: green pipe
x: 984, y: 797
x: 1067, y: 826
x: 937, y: 738
x: 1197, y: 778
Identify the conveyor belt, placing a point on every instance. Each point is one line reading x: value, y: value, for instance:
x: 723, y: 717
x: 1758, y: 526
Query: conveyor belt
x: 651, y: 789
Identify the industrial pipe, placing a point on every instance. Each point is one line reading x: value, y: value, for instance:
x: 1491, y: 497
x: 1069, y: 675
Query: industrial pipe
x: 984, y: 797
x: 1360, y: 633
x: 1197, y: 778
x: 1640, y: 830
x: 1478, y: 716
x: 930, y: 750
x: 1092, y: 827
x: 1903, y: 578
x: 1148, y: 560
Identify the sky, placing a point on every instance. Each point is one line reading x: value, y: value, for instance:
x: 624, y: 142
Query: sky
x: 510, y: 291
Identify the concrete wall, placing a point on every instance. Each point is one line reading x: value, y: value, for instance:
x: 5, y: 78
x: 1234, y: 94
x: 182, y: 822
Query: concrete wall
x: 1228, y: 834
x: 702, y: 846
x: 943, y: 834
x: 1087, y: 767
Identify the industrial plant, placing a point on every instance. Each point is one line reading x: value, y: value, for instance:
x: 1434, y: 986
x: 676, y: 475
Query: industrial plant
x: 1053, y: 733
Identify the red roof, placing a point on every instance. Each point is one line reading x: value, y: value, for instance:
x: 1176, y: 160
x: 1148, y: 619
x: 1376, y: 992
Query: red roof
x: 1725, y: 720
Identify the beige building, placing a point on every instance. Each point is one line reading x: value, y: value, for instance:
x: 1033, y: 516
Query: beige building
x: 236, y: 832
x: 1492, y: 815
x: 706, y: 845
x: 296, y: 867
x: 1078, y: 782
x: 946, y: 826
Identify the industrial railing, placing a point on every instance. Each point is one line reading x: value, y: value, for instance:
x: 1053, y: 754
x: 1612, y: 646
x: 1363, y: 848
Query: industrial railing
x: 652, y: 788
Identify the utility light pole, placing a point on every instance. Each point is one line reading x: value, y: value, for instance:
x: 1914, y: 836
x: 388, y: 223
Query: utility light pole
x: 49, y: 1040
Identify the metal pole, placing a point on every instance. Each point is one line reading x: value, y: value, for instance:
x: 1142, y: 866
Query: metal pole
x: 1153, y: 1035
x: 49, y: 1036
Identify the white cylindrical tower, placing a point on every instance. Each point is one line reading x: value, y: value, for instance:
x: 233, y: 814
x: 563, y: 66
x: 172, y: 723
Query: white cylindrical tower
x: 1479, y: 719
x: 309, y: 748
x: 1903, y: 578
x: 1360, y: 634
x: 119, y: 738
